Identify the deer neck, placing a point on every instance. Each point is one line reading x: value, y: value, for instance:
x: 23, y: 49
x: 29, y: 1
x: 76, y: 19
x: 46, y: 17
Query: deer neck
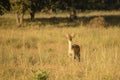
x: 69, y: 46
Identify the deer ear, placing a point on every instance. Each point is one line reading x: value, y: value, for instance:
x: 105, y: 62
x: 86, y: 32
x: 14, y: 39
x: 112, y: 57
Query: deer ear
x: 73, y: 35
x: 67, y: 35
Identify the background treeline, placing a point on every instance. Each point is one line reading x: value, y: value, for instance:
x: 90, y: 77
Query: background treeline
x: 19, y: 7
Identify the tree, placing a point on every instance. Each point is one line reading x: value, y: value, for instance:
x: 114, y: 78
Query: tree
x: 4, y: 6
x: 45, y: 5
x: 51, y: 5
x: 71, y: 5
x: 35, y: 5
x: 19, y: 7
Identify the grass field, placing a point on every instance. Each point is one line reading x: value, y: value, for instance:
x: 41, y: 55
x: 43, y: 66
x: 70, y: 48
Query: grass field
x: 42, y: 45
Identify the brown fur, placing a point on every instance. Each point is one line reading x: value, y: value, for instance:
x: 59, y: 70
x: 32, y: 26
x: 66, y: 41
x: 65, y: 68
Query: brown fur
x: 76, y: 49
x: 73, y: 49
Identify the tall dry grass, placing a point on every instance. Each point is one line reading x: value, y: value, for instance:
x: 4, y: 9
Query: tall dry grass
x: 25, y: 49
x: 46, y: 49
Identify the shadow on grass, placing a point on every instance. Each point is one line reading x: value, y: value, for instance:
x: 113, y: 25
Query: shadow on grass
x: 56, y: 21
x: 112, y: 20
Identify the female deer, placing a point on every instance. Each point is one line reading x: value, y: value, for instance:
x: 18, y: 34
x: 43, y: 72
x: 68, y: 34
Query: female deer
x: 73, y: 49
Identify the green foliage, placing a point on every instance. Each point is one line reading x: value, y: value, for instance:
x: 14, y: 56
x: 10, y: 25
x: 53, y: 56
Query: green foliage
x: 51, y: 4
x: 40, y: 75
x: 1, y: 9
x: 20, y: 6
x: 4, y: 6
x: 36, y: 5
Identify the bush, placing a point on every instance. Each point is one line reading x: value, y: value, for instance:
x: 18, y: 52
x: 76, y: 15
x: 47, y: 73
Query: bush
x: 97, y: 22
x: 40, y: 75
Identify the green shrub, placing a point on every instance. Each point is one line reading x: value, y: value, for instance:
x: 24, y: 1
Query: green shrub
x: 40, y: 75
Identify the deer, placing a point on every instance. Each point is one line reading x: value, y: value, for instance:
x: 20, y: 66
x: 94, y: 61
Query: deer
x: 73, y: 49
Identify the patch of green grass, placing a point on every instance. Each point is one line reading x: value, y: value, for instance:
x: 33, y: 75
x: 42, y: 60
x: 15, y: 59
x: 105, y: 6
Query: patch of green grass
x: 40, y: 75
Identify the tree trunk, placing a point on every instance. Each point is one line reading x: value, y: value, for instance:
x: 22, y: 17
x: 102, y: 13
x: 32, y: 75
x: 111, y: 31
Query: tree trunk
x: 19, y: 19
x: 73, y: 14
x: 32, y: 15
x: 50, y: 11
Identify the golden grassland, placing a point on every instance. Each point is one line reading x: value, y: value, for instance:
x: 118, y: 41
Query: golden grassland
x: 31, y: 48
